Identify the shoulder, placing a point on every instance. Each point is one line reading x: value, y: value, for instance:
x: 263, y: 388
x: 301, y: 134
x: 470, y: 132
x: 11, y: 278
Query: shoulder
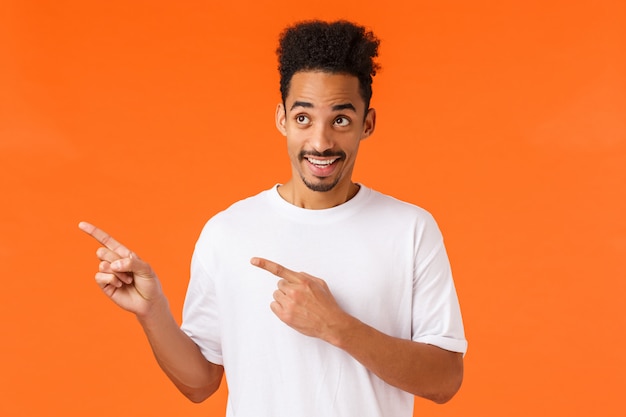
x: 237, y: 215
x: 399, y: 217
x: 379, y: 202
x: 244, y: 208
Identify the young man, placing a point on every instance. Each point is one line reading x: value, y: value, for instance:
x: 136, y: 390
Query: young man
x: 372, y: 321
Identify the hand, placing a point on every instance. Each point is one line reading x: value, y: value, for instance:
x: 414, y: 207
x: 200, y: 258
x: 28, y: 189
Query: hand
x: 305, y: 303
x: 127, y: 280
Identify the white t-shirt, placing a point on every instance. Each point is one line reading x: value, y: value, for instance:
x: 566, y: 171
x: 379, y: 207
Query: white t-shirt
x: 383, y: 260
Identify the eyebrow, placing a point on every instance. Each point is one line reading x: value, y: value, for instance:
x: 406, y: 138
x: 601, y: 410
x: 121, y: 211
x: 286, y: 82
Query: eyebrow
x: 336, y: 107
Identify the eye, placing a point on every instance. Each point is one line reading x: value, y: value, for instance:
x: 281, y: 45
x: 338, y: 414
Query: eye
x: 302, y: 119
x: 342, y: 121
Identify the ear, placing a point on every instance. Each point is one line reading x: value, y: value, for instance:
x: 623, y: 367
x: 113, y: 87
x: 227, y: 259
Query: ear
x: 369, y: 124
x: 281, y: 118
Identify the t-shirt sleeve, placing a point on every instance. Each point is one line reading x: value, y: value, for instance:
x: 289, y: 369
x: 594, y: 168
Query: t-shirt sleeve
x: 436, y: 313
x: 200, y: 311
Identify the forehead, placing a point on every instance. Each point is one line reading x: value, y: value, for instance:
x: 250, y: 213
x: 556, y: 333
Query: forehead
x: 322, y: 89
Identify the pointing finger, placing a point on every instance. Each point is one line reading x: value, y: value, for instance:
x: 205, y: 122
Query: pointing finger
x: 104, y: 238
x: 276, y: 269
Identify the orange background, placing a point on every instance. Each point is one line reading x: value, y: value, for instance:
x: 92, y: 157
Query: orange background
x: 507, y: 120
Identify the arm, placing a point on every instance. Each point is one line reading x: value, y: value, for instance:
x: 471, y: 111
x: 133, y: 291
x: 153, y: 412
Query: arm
x: 131, y: 284
x: 305, y: 303
x: 178, y: 356
x: 421, y: 369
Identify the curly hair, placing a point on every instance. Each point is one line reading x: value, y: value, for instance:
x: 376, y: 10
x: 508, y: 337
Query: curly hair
x: 339, y: 47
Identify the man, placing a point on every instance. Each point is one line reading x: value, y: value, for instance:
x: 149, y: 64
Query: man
x: 374, y: 319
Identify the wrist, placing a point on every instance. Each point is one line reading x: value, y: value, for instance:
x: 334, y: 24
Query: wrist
x: 157, y: 311
x: 343, y: 332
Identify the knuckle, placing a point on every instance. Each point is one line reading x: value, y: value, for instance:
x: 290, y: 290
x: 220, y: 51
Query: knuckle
x: 287, y: 315
x: 124, y: 263
x: 103, y: 266
x: 297, y: 297
x: 275, y: 307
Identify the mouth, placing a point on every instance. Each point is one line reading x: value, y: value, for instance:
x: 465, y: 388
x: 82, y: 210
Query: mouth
x: 322, y: 158
x: 321, y: 163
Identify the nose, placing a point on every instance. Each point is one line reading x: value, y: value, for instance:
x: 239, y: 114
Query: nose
x: 321, y: 138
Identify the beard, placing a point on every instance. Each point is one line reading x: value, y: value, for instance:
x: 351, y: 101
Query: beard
x: 321, y: 187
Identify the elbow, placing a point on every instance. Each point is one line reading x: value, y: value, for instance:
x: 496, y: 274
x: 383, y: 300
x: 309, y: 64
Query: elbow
x: 444, y: 395
x: 199, y: 394
x: 196, y: 396
x: 447, y: 392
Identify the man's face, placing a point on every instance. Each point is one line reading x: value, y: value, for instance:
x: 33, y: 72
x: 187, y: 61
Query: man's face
x: 324, y: 119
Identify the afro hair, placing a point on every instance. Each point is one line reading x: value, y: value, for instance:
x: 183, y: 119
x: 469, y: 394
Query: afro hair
x: 339, y: 47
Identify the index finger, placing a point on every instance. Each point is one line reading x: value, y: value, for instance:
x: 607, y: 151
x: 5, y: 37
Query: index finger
x: 276, y: 269
x: 104, y: 238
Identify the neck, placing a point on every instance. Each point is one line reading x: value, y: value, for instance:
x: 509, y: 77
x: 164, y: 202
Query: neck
x: 301, y: 196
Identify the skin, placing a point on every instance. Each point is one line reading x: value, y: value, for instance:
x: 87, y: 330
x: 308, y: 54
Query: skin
x: 306, y: 304
x: 323, y: 114
x: 324, y: 118
x: 132, y: 284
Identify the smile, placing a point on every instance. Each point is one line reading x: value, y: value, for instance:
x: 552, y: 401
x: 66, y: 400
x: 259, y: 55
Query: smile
x: 321, y: 162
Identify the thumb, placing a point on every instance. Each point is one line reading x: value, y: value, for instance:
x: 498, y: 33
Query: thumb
x: 133, y: 265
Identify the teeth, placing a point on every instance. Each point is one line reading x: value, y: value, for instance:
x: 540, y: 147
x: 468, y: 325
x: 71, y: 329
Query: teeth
x: 321, y: 161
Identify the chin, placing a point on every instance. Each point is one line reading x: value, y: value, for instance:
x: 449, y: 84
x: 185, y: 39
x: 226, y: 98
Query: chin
x: 321, y: 186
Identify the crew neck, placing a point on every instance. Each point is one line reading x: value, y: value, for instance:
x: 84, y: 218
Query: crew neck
x: 318, y: 216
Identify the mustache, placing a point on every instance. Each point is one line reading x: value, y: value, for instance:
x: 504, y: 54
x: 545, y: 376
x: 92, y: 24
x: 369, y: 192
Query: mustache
x: 325, y: 154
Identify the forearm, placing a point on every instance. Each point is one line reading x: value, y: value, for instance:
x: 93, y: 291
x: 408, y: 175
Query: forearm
x: 178, y: 356
x: 421, y: 369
